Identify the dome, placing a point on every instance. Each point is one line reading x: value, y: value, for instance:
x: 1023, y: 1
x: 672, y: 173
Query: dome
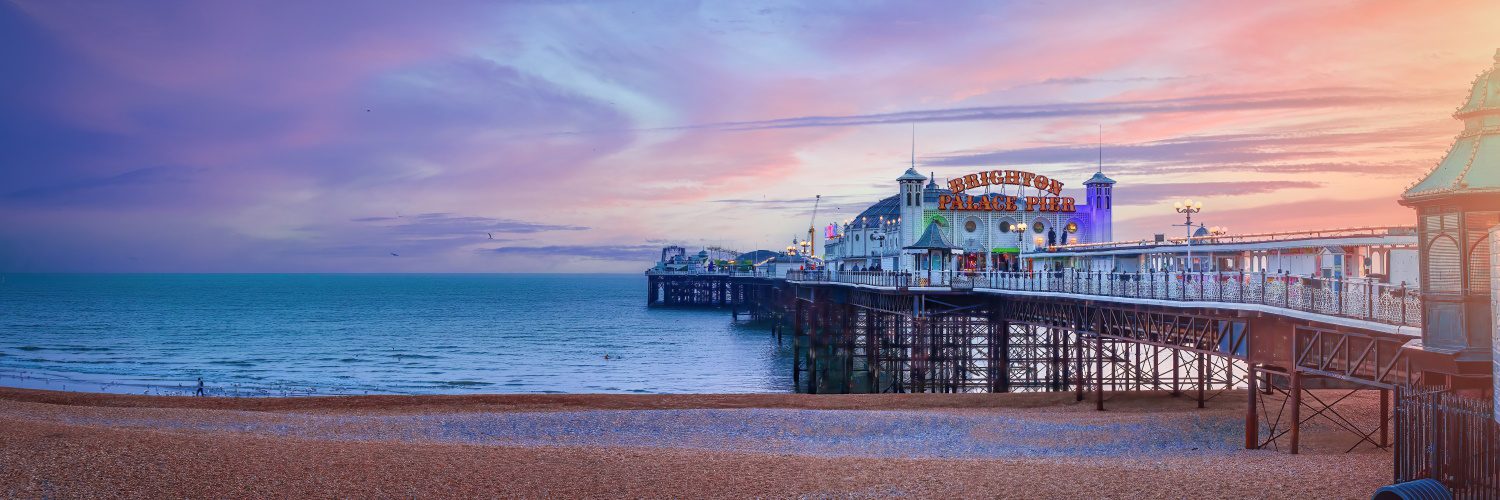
x: 889, y: 208
x: 1098, y: 178
x: 911, y: 175
x: 1472, y: 164
x: 1201, y: 231
x: 1485, y: 94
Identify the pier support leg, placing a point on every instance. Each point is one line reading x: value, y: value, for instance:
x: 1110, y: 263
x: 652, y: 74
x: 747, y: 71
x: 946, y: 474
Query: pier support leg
x: 1252, y: 420
x: 1082, y: 381
x: 1176, y: 366
x: 846, y: 332
x: 1005, y: 356
x: 1099, y: 376
x: 1385, y: 412
x: 796, y: 338
x: 1296, y: 430
x: 1202, y: 377
x: 872, y: 351
x: 815, y: 334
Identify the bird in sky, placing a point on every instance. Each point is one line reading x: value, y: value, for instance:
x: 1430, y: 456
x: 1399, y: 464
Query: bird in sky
x: 394, y: 254
x: 492, y: 235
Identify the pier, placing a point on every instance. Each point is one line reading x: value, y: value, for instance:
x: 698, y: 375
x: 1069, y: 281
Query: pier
x: 1269, y: 338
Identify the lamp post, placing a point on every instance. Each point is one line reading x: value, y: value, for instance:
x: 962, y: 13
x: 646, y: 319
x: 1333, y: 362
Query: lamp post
x: 1188, y: 207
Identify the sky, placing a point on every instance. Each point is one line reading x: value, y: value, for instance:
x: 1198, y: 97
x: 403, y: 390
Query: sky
x: 377, y: 136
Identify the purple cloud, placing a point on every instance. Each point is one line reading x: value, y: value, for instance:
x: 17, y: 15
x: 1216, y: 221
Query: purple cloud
x: 643, y: 254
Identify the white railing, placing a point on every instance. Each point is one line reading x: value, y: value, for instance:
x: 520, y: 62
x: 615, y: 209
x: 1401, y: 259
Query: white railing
x: 761, y: 273
x: 1363, y: 299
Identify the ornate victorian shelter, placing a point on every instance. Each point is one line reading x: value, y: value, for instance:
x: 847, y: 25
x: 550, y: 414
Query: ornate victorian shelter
x: 1457, y: 203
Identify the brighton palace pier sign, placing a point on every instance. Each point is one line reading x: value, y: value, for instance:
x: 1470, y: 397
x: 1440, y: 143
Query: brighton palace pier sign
x: 1003, y: 203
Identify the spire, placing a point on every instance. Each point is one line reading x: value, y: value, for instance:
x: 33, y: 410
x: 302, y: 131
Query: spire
x: 1101, y: 149
x: 914, y: 140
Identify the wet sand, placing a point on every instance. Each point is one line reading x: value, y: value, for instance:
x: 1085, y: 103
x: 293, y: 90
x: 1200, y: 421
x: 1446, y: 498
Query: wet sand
x: 67, y: 445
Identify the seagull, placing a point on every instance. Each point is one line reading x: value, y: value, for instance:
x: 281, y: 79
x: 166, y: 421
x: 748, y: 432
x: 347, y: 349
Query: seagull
x: 492, y: 235
x: 394, y: 254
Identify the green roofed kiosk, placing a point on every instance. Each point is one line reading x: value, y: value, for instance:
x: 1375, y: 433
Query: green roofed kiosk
x: 933, y: 252
x: 1457, y: 204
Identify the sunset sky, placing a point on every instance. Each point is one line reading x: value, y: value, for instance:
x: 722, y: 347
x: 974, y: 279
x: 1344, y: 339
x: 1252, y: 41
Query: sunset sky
x: 291, y: 136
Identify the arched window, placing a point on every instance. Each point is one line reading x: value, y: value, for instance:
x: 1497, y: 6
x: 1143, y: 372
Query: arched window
x: 1479, y: 263
x: 1443, y: 265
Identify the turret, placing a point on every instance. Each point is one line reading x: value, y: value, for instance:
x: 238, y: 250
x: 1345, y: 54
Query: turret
x: 911, y: 206
x: 1099, y: 195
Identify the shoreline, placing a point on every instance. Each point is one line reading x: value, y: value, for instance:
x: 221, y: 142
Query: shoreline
x: 538, y: 402
x: 1036, y: 445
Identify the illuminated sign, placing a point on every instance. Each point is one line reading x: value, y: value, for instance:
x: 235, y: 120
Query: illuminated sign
x: 1005, y: 177
x: 1003, y: 203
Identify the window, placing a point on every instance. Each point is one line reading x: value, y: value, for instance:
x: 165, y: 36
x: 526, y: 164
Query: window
x: 971, y: 226
x: 908, y: 198
x: 1037, y: 227
x: 1005, y: 226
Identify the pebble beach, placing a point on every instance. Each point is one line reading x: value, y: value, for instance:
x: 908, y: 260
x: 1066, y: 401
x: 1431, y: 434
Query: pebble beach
x: 1148, y: 445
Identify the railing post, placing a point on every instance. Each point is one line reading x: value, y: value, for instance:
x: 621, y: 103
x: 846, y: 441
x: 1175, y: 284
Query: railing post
x: 1287, y: 293
x: 1403, y: 304
x: 1263, y: 278
x: 1312, y: 298
x: 1242, y: 286
x: 1340, y: 292
x: 1201, y: 286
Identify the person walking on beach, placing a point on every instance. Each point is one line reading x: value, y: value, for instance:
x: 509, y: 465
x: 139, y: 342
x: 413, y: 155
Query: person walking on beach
x: 200, y: 387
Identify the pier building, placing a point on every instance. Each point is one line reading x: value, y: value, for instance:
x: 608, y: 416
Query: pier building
x: 989, y: 220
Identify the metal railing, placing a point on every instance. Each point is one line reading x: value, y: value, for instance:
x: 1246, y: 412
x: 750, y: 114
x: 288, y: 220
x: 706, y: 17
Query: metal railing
x: 1375, y: 231
x: 874, y: 278
x: 1448, y: 437
x: 1363, y: 299
x: 760, y: 273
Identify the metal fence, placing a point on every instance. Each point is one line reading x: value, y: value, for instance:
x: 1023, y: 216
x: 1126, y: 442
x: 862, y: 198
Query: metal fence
x: 752, y: 273
x: 1363, y: 299
x: 1448, y: 437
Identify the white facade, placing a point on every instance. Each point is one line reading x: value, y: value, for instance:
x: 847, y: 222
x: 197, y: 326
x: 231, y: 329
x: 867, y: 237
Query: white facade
x: 874, y: 239
x: 1383, y: 254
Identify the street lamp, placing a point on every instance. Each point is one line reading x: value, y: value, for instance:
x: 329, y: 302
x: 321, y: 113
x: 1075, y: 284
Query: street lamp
x: 1188, y: 207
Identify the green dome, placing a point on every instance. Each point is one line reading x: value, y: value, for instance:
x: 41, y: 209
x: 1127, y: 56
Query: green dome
x: 1485, y: 95
x: 1472, y: 165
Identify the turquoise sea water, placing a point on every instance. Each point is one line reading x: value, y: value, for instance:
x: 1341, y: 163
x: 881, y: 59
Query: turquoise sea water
x: 356, y: 334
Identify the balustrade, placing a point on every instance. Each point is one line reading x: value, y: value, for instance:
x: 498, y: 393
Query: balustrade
x: 1363, y: 299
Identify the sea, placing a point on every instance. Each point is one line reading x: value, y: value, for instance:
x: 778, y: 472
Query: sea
x: 312, y: 334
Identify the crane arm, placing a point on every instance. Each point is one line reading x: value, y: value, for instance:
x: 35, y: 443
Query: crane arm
x: 812, y: 227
